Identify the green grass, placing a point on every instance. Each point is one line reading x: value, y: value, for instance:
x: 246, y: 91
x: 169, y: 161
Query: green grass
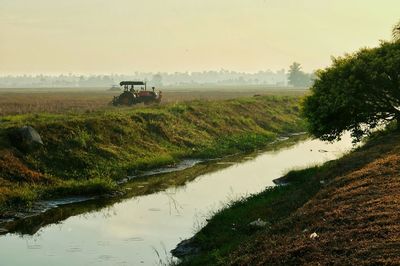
x: 95, y: 149
x: 235, y: 144
x: 230, y: 227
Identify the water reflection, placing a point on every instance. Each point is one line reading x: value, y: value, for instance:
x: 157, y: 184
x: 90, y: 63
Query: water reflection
x: 133, y: 230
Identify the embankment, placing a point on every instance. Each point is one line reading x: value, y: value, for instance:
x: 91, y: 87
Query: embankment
x: 86, y: 154
x: 344, y: 212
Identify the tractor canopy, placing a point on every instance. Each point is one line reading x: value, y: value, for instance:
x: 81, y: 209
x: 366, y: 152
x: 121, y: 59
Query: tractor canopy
x: 132, y: 83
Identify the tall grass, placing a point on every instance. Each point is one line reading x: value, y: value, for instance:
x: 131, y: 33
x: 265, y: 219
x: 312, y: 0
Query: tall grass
x: 85, y: 152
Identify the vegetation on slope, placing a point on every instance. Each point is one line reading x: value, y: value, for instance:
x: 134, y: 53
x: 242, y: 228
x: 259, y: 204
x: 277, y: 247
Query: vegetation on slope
x: 348, y: 202
x: 87, y: 153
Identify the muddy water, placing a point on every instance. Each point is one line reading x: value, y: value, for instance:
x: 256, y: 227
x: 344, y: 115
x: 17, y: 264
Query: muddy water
x: 141, y: 230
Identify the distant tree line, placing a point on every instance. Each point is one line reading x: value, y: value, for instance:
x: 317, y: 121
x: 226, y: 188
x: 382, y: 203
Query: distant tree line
x: 295, y: 77
x: 222, y: 77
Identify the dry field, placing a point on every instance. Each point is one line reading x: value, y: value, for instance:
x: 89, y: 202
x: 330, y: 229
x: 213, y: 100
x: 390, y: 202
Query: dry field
x: 22, y: 101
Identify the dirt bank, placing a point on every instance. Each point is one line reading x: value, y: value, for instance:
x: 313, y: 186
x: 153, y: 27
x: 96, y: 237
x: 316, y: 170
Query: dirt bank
x: 344, y: 213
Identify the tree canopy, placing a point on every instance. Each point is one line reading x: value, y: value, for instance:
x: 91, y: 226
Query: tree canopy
x: 357, y: 93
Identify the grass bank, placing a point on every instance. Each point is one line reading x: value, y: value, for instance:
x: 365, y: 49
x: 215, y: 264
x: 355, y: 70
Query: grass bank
x: 86, y: 153
x: 349, y: 203
x: 140, y: 186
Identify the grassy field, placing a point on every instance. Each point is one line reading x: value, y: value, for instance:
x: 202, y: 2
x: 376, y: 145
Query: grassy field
x: 86, y: 153
x: 23, y: 101
x: 350, y: 203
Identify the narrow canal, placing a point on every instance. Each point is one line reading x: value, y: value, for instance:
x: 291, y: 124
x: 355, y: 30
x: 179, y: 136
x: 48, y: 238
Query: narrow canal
x: 132, y: 231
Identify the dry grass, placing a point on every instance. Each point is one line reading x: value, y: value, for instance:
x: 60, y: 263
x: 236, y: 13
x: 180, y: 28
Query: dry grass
x: 356, y: 217
x: 13, y: 169
x: 23, y: 101
x: 12, y: 103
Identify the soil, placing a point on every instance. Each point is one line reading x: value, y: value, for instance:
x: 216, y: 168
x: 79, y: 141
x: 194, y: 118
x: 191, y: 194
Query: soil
x: 353, y: 220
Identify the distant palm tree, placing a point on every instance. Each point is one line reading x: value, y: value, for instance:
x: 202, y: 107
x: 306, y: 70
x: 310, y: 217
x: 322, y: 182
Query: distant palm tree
x: 396, y: 32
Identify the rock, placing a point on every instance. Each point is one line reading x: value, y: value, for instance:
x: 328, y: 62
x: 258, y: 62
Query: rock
x: 185, y: 248
x: 281, y: 181
x: 314, y: 236
x: 259, y: 223
x: 25, y: 138
x: 29, y: 134
x: 122, y: 181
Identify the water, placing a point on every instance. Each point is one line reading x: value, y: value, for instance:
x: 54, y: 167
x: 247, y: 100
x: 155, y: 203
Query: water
x: 132, y: 231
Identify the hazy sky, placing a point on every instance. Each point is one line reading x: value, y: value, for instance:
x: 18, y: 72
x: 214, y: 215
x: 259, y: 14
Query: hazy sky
x: 123, y: 36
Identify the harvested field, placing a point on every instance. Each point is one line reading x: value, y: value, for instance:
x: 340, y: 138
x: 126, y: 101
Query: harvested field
x: 22, y: 101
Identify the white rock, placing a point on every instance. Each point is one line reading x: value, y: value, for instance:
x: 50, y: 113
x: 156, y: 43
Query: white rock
x: 314, y: 235
x: 259, y: 223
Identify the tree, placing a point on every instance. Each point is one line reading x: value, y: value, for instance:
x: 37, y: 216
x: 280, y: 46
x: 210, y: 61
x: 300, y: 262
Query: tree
x: 297, y: 77
x: 357, y: 93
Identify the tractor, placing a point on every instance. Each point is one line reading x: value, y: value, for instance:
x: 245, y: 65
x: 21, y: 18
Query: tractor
x: 136, y: 92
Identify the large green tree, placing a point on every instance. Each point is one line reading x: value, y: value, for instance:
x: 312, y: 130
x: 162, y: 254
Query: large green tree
x: 357, y: 93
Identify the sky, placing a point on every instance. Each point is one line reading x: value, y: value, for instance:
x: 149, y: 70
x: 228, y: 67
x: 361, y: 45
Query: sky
x: 124, y: 36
